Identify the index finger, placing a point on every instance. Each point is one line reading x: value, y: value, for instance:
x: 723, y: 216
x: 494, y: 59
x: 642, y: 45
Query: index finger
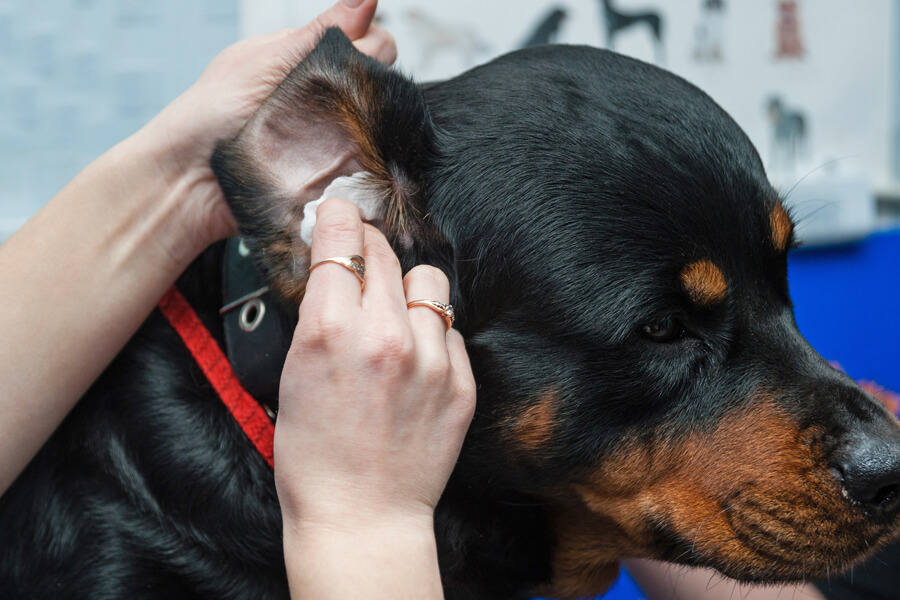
x: 338, y: 233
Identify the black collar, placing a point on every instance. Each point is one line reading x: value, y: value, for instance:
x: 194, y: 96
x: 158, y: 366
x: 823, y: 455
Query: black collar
x: 257, y: 334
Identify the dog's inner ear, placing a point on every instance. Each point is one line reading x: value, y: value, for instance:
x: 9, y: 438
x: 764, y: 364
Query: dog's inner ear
x: 339, y: 119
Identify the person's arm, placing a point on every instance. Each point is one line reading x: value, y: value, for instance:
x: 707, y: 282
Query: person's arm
x: 375, y: 400
x: 664, y: 581
x: 77, y: 280
x: 393, y: 559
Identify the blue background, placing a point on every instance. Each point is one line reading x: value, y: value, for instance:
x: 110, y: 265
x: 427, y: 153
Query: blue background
x: 846, y: 301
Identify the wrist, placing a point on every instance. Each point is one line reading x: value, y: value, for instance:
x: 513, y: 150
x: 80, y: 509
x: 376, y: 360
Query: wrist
x: 173, y: 193
x: 348, y: 505
x: 396, y: 557
x: 359, y: 520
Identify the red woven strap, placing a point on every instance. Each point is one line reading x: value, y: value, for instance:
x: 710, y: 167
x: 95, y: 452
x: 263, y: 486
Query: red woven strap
x: 215, y: 366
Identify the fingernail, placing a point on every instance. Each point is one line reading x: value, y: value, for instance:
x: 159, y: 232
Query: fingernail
x: 352, y: 3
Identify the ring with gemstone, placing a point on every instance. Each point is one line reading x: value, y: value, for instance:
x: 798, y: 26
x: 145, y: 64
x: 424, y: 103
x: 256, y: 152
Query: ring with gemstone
x: 445, y: 310
x: 354, y: 263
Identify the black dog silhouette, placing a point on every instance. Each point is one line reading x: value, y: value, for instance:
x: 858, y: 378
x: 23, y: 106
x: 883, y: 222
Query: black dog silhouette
x: 617, y: 20
x: 548, y: 30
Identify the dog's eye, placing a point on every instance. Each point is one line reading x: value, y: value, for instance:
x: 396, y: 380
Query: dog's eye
x: 664, y: 330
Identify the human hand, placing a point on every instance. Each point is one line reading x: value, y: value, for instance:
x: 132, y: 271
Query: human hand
x: 181, y: 139
x: 375, y: 398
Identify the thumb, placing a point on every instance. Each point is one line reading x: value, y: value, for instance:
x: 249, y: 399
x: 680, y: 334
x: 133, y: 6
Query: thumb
x: 353, y: 17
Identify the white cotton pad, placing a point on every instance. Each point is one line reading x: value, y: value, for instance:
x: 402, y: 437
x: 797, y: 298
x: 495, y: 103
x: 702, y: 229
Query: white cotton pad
x: 352, y: 188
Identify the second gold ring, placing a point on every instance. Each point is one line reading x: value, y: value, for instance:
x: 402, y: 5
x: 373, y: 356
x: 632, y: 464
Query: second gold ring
x: 445, y: 310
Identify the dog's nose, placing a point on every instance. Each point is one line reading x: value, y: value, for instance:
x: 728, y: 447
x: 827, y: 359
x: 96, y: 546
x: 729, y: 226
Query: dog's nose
x: 870, y: 470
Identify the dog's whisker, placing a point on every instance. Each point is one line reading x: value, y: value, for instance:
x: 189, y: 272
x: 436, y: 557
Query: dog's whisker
x: 714, y: 575
x: 733, y: 590
x: 811, y: 215
x: 825, y: 164
x: 691, y: 550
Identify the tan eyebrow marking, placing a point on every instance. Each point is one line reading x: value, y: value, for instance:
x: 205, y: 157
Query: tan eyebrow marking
x: 781, y: 226
x: 704, y: 282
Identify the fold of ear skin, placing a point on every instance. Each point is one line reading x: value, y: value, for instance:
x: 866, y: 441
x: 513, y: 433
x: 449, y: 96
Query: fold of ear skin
x: 337, y: 113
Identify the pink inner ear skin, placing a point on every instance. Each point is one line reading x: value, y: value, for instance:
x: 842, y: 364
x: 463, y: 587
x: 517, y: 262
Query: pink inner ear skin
x: 299, y: 160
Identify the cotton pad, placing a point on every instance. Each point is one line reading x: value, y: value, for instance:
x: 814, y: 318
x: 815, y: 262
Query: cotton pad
x: 352, y: 188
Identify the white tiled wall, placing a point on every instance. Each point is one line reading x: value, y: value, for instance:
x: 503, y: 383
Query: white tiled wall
x: 77, y: 76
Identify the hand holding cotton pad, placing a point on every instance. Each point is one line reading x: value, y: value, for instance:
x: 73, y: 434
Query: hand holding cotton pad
x: 352, y: 188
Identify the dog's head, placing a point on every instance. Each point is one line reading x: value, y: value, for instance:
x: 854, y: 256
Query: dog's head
x: 618, y: 261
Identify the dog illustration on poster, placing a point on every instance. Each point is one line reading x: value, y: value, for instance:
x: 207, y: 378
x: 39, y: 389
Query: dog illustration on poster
x: 547, y: 31
x: 788, y: 34
x: 616, y: 20
x: 709, y: 38
x: 790, y: 133
x: 438, y: 38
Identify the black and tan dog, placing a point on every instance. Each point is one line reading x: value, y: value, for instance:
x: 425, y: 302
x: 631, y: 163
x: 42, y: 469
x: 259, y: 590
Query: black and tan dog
x: 618, y: 262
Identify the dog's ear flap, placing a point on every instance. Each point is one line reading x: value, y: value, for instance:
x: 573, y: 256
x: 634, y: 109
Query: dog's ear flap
x: 336, y: 114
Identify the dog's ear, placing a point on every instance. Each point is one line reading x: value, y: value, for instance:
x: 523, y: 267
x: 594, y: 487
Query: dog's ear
x: 336, y: 114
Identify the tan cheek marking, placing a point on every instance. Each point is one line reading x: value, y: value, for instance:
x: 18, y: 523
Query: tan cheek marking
x: 603, y: 524
x: 687, y: 484
x: 760, y: 447
x: 532, y: 429
x: 704, y: 282
x: 781, y: 226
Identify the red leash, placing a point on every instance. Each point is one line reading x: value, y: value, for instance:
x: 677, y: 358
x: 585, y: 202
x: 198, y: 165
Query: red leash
x: 215, y: 366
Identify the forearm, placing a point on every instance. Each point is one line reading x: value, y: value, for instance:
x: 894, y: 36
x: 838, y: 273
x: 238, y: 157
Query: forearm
x: 391, y: 560
x: 78, y: 280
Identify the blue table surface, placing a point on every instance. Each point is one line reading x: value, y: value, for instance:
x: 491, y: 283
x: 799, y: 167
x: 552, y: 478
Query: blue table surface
x: 623, y: 589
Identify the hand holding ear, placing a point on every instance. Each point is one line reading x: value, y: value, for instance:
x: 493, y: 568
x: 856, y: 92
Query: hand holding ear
x: 182, y: 137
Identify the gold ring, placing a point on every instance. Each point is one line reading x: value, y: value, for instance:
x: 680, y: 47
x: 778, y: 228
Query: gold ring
x: 354, y: 263
x: 445, y: 310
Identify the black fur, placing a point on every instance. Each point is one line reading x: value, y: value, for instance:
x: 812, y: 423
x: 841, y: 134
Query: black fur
x: 564, y: 189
